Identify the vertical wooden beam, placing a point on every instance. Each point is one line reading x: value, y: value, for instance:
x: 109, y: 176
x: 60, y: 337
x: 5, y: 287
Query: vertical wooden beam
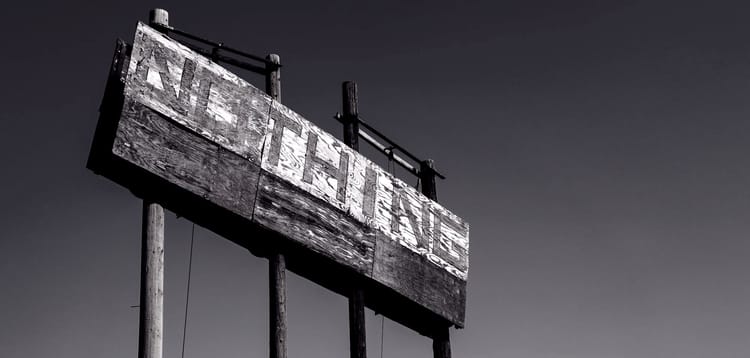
x: 273, y: 77
x: 277, y: 305
x: 159, y: 17
x: 350, y: 120
x: 357, y: 333
x: 357, y: 336
x: 276, y: 260
x: 151, y: 317
x: 441, y: 342
x: 427, y: 178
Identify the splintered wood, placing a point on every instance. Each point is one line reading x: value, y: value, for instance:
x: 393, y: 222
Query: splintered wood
x: 203, y: 129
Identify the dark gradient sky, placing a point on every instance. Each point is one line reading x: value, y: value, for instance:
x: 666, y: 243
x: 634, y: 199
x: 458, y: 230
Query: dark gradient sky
x: 598, y: 149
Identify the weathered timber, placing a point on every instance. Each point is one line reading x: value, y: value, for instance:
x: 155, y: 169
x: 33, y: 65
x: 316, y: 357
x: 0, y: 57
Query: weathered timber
x: 284, y: 208
x: 441, y: 343
x: 357, y: 338
x: 151, y: 315
x: 273, y: 77
x: 276, y: 259
x: 151, y: 319
x: 357, y: 326
x: 154, y: 143
x: 174, y: 81
x: 366, y: 192
x: 277, y: 305
x: 197, y: 93
x: 427, y: 178
x: 198, y: 150
x: 350, y: 120
x: 407, y: 272
x: 406, y: 216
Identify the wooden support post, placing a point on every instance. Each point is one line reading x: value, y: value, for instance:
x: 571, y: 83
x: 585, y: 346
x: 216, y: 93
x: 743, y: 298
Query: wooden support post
x: 276, y: 260
x: 277, y: 305
x: 357, y: 333
x: 273, y: 77
x: 441, y: 342
x: 351, y: 122
x: 427, y: 178
x: 357, y: 336
x: 151, y: 318
x: 159, y: 17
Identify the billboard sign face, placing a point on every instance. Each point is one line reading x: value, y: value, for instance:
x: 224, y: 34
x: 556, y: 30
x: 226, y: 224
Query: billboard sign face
x: 255, y: 166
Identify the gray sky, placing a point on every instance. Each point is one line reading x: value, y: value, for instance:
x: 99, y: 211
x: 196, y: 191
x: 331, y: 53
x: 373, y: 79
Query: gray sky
x: 598, y: 150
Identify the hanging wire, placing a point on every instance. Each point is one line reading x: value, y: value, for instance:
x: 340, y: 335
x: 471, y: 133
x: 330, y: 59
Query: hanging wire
x: 187, y: 292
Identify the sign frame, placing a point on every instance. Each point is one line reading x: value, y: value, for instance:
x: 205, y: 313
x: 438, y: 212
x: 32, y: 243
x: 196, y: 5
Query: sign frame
x: 400, y: 280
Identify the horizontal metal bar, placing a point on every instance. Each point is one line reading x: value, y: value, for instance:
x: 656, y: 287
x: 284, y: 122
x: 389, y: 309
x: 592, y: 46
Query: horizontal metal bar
x: 217, y: 45
x: 229, y: 60
x: 389, y: 152
x: 393, y: 144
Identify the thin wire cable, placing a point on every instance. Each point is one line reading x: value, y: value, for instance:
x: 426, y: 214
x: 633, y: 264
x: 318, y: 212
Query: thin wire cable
x: 187, y: 292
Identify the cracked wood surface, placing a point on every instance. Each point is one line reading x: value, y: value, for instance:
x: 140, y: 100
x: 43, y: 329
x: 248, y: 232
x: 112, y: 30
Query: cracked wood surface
x: 197, y: 126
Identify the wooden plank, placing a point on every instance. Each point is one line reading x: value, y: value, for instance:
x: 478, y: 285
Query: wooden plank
x: 410, y: 274
x: 215, y: 103
x: 151, y: 142
x: 151, y: 314
x: 357, y: 322
x: 276, y: 259
x: 197, y: 93
x: 406, y: 216
x: 197, y: 127
x: 316, y: 162
x: 285, y: 209
x: 277, y: 305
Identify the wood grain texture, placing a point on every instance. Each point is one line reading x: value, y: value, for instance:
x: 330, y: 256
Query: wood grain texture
x: 315, y: 161
x: 197, y: 93
x: 223, y: 108
x: 284, y: 208
x: 277, y: 305
x: 197, y: 127
x: 357, y: 322
x: 151, y: 142
x: 409, y: 218
x: 410, y: 274
x: 151, y: 308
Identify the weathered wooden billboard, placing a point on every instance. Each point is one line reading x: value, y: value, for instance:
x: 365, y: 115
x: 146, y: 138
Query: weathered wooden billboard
x: 210, y: 146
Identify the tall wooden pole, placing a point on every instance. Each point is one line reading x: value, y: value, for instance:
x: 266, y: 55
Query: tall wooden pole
x: 151, y: 318
x: 441, y: 341
x: 357, y: 333
x: 273, y: 77
x: 427, y: 178
x: 276, y: 260
x: 351, y: 122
